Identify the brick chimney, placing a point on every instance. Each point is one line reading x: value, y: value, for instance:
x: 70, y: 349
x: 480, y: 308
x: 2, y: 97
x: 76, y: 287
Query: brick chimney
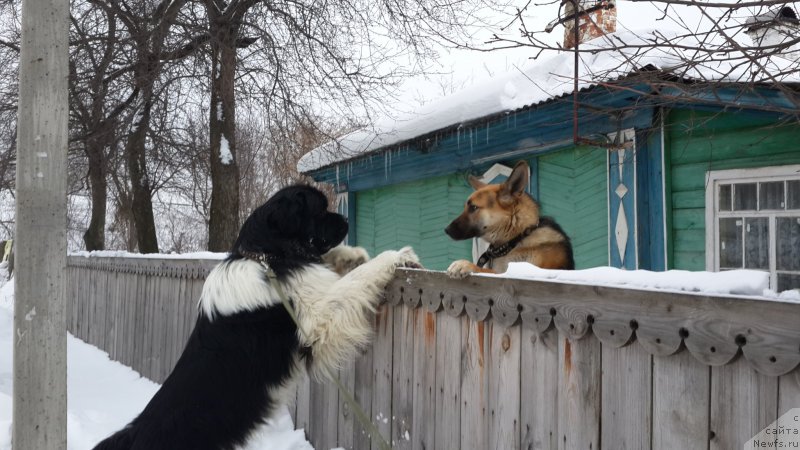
x: 595, y: 18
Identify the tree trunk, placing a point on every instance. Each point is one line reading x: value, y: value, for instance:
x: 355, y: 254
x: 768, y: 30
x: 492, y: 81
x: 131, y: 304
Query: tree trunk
x: 95, y: 238
x: 140, y: 183
x: 223, y: 225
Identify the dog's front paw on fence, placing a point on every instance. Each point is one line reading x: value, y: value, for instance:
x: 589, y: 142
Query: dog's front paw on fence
x: 461, y: 269
x: 407, y: 258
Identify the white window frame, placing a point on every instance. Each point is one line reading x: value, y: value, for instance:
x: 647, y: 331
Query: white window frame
x: 761, y: 174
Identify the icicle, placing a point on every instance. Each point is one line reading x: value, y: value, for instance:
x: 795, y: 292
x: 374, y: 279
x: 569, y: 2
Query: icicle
x: 337, y: 175
x: 470, y: 141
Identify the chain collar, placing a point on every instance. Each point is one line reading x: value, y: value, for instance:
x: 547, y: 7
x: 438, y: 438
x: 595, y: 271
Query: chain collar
x: 496, y: 251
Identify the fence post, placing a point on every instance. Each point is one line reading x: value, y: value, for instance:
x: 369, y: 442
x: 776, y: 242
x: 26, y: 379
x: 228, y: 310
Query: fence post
x: 40, y: 341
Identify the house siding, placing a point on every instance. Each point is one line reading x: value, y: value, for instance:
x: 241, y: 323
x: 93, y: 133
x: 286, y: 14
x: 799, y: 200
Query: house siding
x: 700, y: 141
x: 572, y: 189
x: 414, y: 214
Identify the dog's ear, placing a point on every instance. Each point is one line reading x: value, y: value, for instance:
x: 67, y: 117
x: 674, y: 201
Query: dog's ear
x: 475, y: 182
x: 516, y: 183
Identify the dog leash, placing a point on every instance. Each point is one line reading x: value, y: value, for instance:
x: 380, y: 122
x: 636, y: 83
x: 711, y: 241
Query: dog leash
x: 362, y: 417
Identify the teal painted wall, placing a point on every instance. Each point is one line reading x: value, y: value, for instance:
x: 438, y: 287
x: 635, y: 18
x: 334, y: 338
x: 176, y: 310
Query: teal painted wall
x: 572, y: 189
x: 415, y: 214
x: 698, y: 142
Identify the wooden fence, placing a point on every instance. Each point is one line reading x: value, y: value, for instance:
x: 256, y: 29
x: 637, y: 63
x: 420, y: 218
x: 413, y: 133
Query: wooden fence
x: 488, y: 363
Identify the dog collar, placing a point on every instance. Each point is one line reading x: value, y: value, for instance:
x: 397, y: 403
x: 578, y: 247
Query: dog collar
x: 502, y: 250
x: 260, y: 257
x: 268, y: 258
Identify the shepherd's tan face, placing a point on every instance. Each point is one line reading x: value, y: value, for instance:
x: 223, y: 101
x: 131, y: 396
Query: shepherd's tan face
x: 483, y: 212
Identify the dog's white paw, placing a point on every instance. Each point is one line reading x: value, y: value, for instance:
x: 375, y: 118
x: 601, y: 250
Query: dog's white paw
x: 460, y: 269
x: 344, y: 258
x: 407, y: 258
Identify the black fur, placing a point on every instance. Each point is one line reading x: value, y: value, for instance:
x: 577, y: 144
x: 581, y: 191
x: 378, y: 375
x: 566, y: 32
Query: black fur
x: 293, y: 227
x: 221, y: 387
x: 549, y: 222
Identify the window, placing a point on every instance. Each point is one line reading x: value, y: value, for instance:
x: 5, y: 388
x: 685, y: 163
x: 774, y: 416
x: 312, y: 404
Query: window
x: 753, y: 222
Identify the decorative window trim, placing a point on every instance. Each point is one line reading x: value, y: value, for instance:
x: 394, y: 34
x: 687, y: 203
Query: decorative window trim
x: 760, y: 174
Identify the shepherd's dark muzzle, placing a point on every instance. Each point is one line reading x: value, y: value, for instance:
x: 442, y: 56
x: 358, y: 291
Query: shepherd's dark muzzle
x: 461, y: 229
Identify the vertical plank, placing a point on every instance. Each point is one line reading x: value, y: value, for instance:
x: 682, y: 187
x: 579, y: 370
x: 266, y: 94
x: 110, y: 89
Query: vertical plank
x: 539, y: 389
x: 579, y: 392
x: 98, y: 331
x: 743, y: 402
x: 423, y: 431
x: 680, y: 402
x: 139, y: 319
x: 148, y: 333
x: 110, y: 341
x: 474, y: 395
x: 303, y: 414
x: 788, y: 399
x: 403, y: 371
x: 789, y: 391
x: 504, y: 386
x: 161, y: 323
x: 324, y: 415
x: 316, y: 420
x: 383, y: 349
x: 132, y: 304
x: 447, y: 420
x: 347, y: 376
x: 363, y: 395
x: 626, y: 397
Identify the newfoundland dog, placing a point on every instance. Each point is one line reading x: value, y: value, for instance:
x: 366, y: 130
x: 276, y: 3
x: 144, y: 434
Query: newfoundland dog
x: 246, y: 351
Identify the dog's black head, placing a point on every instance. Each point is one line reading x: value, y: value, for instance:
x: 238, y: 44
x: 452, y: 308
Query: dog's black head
x: 293, y: 227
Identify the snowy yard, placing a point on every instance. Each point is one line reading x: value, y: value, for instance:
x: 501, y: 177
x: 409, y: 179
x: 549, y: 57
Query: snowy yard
x: 105, y: 395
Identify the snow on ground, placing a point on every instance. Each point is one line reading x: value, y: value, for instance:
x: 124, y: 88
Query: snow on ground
x: 752, y: 283
x: 104, y: 395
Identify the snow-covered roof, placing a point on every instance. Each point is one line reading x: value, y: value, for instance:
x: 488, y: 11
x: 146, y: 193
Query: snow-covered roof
x: 775, y: 16
x: 617, y: 55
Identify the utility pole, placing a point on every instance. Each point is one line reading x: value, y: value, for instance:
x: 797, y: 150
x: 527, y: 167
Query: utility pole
x: 40, y: 335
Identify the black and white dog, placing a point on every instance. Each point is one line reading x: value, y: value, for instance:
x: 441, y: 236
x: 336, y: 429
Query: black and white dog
x: 245, y: 351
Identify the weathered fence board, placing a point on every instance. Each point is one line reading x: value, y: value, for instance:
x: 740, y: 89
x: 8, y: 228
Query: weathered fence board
x: 403, y: 371
x: 680, y: 384
x: 538, y: 391
x: 504, y: 386
x: 382, y: 373
x: 474, y: 395
x: 363, y: 395
x: 447, y: 421
x: 743, y: 402
x: 424, y: 380
x: 626, y: 390
x: 494, y: 363
x: 347, y: 376
x: 579, y: 393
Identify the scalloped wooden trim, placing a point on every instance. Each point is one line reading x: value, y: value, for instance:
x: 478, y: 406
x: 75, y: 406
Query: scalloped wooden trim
x: 715, y: 330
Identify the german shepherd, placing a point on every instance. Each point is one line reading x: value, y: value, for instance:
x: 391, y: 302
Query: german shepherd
x: 508, y: 218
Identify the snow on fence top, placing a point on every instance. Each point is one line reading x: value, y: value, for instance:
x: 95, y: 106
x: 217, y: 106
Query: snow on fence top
x: 615, y: 55
x: 752, y: 283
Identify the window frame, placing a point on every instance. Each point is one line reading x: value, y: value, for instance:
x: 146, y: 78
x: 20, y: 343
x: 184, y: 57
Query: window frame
x: 716, y: 178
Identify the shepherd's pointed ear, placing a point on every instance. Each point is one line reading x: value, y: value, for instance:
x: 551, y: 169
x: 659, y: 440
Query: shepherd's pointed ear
x: 517, y: 182
x: 476, y: 182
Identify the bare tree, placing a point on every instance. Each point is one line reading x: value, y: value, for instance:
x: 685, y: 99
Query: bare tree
x: 703, y: 50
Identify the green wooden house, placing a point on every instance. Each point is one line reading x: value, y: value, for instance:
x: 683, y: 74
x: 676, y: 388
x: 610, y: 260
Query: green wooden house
x: 667, y: 173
